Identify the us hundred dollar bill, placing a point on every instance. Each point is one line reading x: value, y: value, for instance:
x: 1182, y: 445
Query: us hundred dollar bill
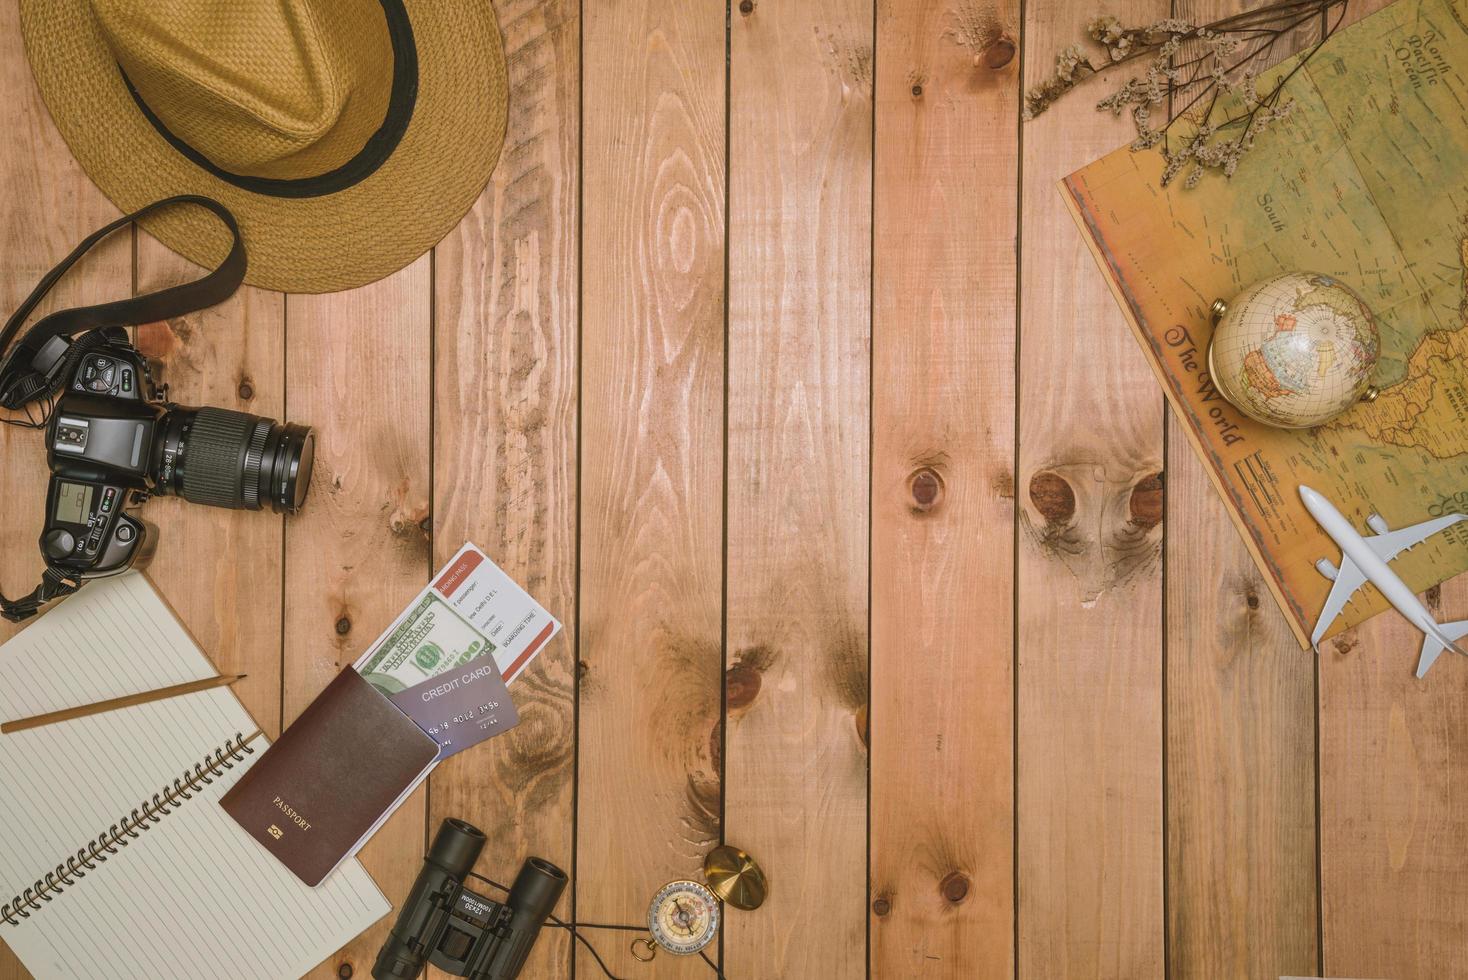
x: 431, y: 639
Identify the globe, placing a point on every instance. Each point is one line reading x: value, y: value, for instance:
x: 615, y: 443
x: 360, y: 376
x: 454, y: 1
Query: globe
x: 1294, y: 351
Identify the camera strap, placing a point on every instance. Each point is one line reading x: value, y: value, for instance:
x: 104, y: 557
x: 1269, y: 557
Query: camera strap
x: 31, y: 370
x: 53, y: 586
x: 36, y: 366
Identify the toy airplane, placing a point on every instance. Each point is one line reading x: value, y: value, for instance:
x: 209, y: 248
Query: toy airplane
x: 1364, y: 559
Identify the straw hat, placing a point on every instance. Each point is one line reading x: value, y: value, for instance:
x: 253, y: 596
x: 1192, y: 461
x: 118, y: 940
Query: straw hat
x: 348, y: 136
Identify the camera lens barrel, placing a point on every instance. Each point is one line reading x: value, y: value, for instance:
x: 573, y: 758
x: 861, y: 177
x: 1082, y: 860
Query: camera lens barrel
x: 232, y: 459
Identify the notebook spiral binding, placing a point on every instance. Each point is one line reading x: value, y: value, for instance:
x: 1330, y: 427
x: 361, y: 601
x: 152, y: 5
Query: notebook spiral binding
x: 140, y: 819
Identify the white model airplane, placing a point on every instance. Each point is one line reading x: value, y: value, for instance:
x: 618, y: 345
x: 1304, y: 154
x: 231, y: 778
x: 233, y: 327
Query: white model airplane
x: 1364, y: 559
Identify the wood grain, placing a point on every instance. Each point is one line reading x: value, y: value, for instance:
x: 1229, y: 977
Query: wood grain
x: 49, y: 206
x: 221, y: 570
x: 1394, y: 801
x: 1240, y: 779
x: 651, y: 461
x: 1240, y: 753
x: 800, y: 170
x: 943, y: 417
x: 1090, y: 626
x: 358, y: 552
x: 505, y: 353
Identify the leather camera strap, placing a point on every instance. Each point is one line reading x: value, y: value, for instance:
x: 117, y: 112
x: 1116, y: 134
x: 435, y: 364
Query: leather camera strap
x: 20, y: 379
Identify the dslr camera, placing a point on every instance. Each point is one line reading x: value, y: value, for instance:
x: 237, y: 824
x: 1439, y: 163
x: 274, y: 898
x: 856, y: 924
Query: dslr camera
x: 459, y: 931
x: 113, y: 441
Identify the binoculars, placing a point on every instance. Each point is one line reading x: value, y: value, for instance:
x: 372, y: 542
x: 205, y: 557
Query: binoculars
x: 458, y: 931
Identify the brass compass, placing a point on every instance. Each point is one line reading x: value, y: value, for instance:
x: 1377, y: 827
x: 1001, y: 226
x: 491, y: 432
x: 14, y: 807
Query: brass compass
x: 683, y: 917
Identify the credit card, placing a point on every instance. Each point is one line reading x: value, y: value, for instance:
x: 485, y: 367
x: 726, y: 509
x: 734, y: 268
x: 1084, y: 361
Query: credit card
x: 461, y: 707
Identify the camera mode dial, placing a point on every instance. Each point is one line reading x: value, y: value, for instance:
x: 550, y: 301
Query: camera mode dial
x: 58, y: 543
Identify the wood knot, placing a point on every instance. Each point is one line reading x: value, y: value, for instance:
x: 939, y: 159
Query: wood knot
x: 343, y: 626
x: 1252, y: 601
x: 582, y: 668
x: 426, y: 525
x: 954, y: 887
x: 1003, y: 485
x: 344, y: 971
x: 742, y: 685
x: 1052, y: 497
x: 926, y: 487
x: 881, y: 906
x: 998, y: 53
x: 746, y: 7
x: 917, y: 91
x: 247, y: 389
x: 162, y: 339
x: 1146, y: 502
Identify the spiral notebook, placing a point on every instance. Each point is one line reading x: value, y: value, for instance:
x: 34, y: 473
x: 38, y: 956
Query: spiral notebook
x: 115, y: 858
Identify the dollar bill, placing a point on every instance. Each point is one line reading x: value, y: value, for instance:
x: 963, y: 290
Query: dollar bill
x: 430, y: 639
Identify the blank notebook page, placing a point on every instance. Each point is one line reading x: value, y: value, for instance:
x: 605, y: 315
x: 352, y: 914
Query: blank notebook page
x: 193, y: 895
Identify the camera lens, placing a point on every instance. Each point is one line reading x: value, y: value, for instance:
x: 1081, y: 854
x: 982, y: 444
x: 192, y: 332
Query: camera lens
x: 231, y: 459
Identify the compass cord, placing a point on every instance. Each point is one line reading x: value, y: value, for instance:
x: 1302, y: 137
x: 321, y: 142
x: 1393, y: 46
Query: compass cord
x: 573, y: 927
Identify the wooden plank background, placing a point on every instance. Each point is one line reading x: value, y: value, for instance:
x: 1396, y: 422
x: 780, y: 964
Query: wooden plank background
x: 943, y: 447
x: 800, y: 183
x: 771, y: 363
x: 1089, y: 684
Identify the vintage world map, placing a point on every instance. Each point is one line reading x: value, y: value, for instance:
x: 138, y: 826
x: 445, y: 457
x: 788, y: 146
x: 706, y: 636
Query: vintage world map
x: 1366, y: 182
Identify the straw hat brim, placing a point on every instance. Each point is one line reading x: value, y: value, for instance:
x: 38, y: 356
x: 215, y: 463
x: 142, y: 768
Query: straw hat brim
x: 311, y: 245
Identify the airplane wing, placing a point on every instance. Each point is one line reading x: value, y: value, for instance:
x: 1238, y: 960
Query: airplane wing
x: 1347, y: 581
x: 1393, y: 543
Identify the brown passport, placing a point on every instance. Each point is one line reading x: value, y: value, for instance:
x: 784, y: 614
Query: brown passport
x: 330, y: 778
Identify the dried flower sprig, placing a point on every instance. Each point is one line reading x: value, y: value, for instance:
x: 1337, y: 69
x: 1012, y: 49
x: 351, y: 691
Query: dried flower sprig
x: 1207, y: 75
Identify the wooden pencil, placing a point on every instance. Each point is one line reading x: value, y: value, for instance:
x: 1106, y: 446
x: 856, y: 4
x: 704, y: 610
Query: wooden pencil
x: 112, y: 704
